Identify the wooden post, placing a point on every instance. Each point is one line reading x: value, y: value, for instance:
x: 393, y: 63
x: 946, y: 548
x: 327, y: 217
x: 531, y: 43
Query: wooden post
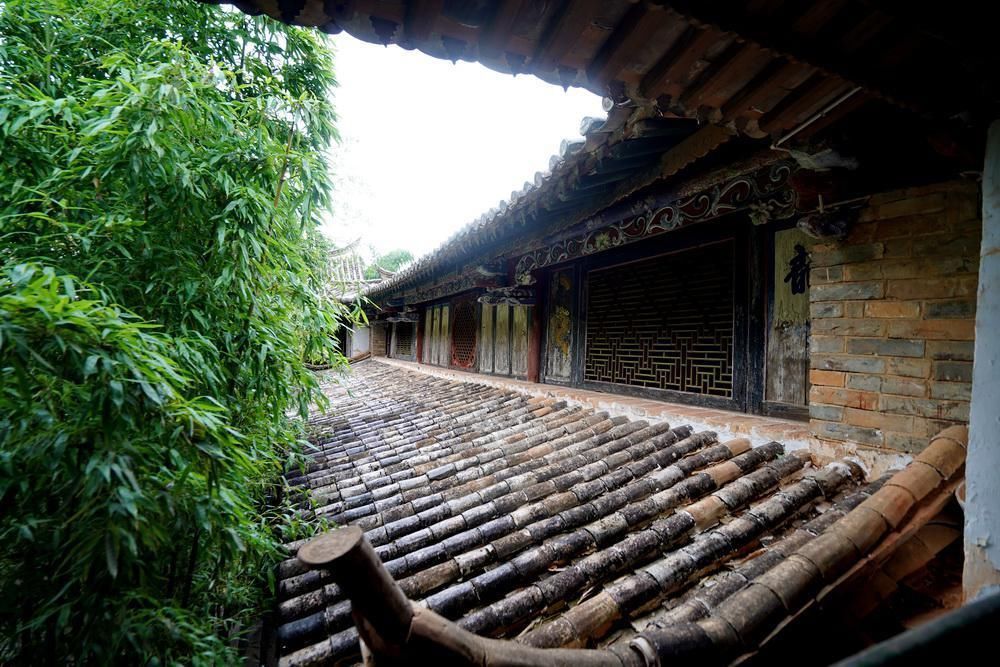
x: 420, y: 338
x: 396, y: 633
x: 382, y: 612
x: 535, y: 333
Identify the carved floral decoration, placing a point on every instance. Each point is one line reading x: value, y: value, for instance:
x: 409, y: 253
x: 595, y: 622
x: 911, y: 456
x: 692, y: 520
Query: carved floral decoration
x: 764, y: 192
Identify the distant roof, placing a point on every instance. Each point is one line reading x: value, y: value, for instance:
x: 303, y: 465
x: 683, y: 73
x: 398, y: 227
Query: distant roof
x: 347, y: 272
x: 527, y: 517
x: 614, y: 157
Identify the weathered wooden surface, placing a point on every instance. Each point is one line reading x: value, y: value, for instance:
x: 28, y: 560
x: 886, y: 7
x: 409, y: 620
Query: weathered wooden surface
x: 559, y: 337
x: 501, y: 340
x: 425, y: 346
x: 444, y: 337
x: 486, y: 338
x: 787, y: 371
x: 787, y: 367
x: 519, y: 341
x: 433, y: 342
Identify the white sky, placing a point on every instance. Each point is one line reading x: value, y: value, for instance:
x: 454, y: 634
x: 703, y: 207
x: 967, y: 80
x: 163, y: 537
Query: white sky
x: 427, y: 146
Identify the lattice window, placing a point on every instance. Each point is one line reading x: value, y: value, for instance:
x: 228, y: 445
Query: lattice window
x: 664, y: 323
x: 404, y: 339
x: 463, y: 346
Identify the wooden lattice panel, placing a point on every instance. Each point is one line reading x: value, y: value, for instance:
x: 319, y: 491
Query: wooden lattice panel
x: 463, y: 346
x: 664, y: 323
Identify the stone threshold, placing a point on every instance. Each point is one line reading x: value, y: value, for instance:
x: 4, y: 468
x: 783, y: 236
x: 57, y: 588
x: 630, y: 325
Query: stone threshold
x: 728, y: 424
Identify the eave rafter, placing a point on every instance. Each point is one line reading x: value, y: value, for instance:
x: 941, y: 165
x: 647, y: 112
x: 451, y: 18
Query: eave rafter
x: 611, y: 48
x: 761, y: 69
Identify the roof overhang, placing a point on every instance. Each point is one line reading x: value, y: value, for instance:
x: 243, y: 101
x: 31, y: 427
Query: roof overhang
x: 681, y: 80
x: 760, y: 66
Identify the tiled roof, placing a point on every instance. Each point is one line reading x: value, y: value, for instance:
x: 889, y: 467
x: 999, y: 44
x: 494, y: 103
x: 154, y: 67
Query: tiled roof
x: 347, y: 273
x: 347, y: 265
x: 527, y: 517
x: 587, y: 175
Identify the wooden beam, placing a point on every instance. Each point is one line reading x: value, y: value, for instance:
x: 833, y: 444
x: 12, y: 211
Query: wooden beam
x: 759, y: 28
x: 725, y: 79
x: 863, y: 32
x: 817, y: 16
x: 395, y: 632
x: 375, y: 596
x: 678, y: 60
x: 902, y: 48
x: 780, y: 75
x: 495, y: 35
x: 806, y: 99
x: 418, y: 22
x: 564, y: 28
x: 535, y: 339
x: 851, y: 105
x: 420, y: 338
x: 640, y: 23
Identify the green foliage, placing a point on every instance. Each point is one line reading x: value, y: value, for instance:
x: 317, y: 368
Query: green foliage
x: 390, y: 261
x: 162, y: 175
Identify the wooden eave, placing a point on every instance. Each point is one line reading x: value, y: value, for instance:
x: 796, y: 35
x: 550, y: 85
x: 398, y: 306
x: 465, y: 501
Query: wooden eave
x: 757, y: 69
x: 723, y: 61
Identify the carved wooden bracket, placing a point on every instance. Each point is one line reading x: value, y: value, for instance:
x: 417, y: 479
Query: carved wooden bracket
x: 518, y: 295
x: 765, y: 190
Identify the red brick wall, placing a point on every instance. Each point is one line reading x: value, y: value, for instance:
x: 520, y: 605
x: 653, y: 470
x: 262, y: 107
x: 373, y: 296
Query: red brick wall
x: 893, y: 316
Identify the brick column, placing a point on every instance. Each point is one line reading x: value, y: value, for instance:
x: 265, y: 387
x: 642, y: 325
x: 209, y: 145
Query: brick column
x: 893, y: 310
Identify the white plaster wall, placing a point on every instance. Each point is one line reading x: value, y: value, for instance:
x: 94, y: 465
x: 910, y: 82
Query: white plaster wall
x: 361, y: 341
x: 982, y: 470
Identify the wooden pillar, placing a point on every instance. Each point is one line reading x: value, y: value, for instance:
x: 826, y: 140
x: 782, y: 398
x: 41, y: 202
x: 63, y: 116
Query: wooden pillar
x: 982, y: 470
x: 420, y: 338
x: 382, y: 613
x: 535, y: 333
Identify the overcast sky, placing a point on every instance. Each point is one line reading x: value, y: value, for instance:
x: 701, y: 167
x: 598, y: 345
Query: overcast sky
x: 427, y: 145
